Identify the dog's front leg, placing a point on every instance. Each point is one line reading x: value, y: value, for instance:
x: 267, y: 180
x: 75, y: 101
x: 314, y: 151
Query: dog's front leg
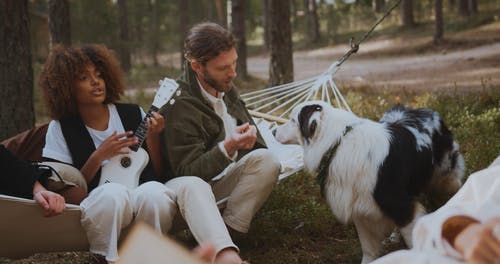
x: 371, y: 232
x: 407, y: 230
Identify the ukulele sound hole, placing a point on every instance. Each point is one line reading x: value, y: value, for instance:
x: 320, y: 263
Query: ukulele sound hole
x: 125, y: 162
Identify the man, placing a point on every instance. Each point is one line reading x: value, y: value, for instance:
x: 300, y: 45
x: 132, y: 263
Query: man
x: 209, y: 132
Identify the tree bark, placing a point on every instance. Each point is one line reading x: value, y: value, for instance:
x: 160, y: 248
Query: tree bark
x: 473, y: 7
x: 123, y: 35
x: 16, y: 72
x: 183, y: 26
x: 238, y: 30
x: 265, y: 22
x: 463, y: 8
x: 280, y: 43
x: 220, y: 12
x: 439, y: 27
x: 407, y: 18
x: 452, y: 4
x: 155, y: 31
x: 59, y: 22
x: 378, y: 6
x: 312, y: 20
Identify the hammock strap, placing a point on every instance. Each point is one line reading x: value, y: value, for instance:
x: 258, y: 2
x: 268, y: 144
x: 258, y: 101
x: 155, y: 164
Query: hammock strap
x: 355, y: 45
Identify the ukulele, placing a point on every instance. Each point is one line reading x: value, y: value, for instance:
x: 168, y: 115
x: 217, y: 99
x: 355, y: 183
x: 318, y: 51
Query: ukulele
x: 126, y: 169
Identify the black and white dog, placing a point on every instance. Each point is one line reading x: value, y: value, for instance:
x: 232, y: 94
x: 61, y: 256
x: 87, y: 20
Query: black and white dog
x: 372, y: 172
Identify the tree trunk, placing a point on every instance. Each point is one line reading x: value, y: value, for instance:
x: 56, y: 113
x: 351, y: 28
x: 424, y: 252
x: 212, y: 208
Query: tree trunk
x: 16, y: 72
x: 154, y: 34
x: 280, y: 43
x: 452, y: 4
x: 407, y: 14
x: 463, y: 8
x: 183, y: 26
x: 238, y: 29
x: 265, y: 23
x: 473, y: 7
x: 138, y: 32
x: 123, y: 35
x: 438, y: 34
x: 378, y: 6
x: 59, y: 22
x: 220, y: 12
x: 312, y: 20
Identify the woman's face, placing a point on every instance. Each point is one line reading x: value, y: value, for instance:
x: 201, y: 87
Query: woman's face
x: 90, y: 87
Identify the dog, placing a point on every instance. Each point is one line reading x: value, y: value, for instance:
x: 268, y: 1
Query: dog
x: 371, y: 172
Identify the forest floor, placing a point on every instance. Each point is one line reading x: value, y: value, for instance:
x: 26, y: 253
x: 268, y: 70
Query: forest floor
x: 467, y: 60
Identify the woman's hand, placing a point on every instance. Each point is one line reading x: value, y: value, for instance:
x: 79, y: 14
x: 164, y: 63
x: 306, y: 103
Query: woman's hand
x: 52, y: 203
x: 114, y: 145
x: 156, y: 124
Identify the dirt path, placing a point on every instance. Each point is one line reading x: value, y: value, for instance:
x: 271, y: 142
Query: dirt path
x: 465, y: 69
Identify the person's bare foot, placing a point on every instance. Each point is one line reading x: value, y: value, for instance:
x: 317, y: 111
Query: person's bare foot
x: 228, y: 256
x: 205, y: 251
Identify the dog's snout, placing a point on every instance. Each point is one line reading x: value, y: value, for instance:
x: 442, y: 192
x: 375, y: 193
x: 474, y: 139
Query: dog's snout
x: 274, y: 132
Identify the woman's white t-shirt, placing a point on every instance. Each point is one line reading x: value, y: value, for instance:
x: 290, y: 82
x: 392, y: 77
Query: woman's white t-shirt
x: 57, y: 148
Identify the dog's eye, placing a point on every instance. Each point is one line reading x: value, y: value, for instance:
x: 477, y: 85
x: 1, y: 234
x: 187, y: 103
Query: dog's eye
x: 293, y: 121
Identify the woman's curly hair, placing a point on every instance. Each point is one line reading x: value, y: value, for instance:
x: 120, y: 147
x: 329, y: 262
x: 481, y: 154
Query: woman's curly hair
x: 62, y: 68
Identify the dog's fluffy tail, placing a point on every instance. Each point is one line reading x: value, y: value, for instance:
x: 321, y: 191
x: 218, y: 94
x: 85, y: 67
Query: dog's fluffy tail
x: 449, y: 172
x: 448, y: 163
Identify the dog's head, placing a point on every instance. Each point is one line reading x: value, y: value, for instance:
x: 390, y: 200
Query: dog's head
x: 303, y: 125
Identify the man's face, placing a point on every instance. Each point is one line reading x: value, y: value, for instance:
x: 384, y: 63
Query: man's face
x: 218, y: 72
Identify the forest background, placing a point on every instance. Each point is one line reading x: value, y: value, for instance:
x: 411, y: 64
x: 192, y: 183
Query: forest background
x: 440, y: 54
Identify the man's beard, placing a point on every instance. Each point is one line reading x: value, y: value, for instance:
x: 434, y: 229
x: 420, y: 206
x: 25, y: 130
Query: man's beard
x: 220, y: 87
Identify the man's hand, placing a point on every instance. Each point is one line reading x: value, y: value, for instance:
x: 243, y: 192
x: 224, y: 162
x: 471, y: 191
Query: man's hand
x: 243, y: 137
x: 480, y: 243
x: 52, y: 203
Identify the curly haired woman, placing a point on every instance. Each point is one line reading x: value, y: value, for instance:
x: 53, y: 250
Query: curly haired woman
x: 81, y: 87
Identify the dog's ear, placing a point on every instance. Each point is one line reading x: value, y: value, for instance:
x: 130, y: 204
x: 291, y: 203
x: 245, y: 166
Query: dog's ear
x: 305, y: 114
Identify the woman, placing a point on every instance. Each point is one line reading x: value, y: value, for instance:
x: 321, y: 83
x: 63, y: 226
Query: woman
x: 80, y: 87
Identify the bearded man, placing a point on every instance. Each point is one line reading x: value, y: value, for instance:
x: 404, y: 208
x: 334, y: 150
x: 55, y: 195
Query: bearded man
x: 209, y: 132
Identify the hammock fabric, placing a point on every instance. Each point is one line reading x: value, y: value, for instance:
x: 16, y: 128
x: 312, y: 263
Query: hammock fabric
x: 26, y: 231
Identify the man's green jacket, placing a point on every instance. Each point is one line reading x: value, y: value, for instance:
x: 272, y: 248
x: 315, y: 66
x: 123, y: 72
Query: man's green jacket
x: 193, y: 131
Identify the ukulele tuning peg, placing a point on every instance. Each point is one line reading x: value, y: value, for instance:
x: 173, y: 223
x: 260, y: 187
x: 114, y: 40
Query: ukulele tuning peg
x: 172, y: 101
x: 178, y: 93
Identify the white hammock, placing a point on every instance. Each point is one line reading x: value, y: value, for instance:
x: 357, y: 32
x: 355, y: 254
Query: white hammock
x: 25, y: 231
x: 269, y: 106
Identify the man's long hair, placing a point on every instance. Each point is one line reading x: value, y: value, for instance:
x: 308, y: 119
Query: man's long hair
x: 207, y: 40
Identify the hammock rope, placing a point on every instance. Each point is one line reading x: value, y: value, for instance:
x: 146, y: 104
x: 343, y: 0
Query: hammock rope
x: 279, y: 100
